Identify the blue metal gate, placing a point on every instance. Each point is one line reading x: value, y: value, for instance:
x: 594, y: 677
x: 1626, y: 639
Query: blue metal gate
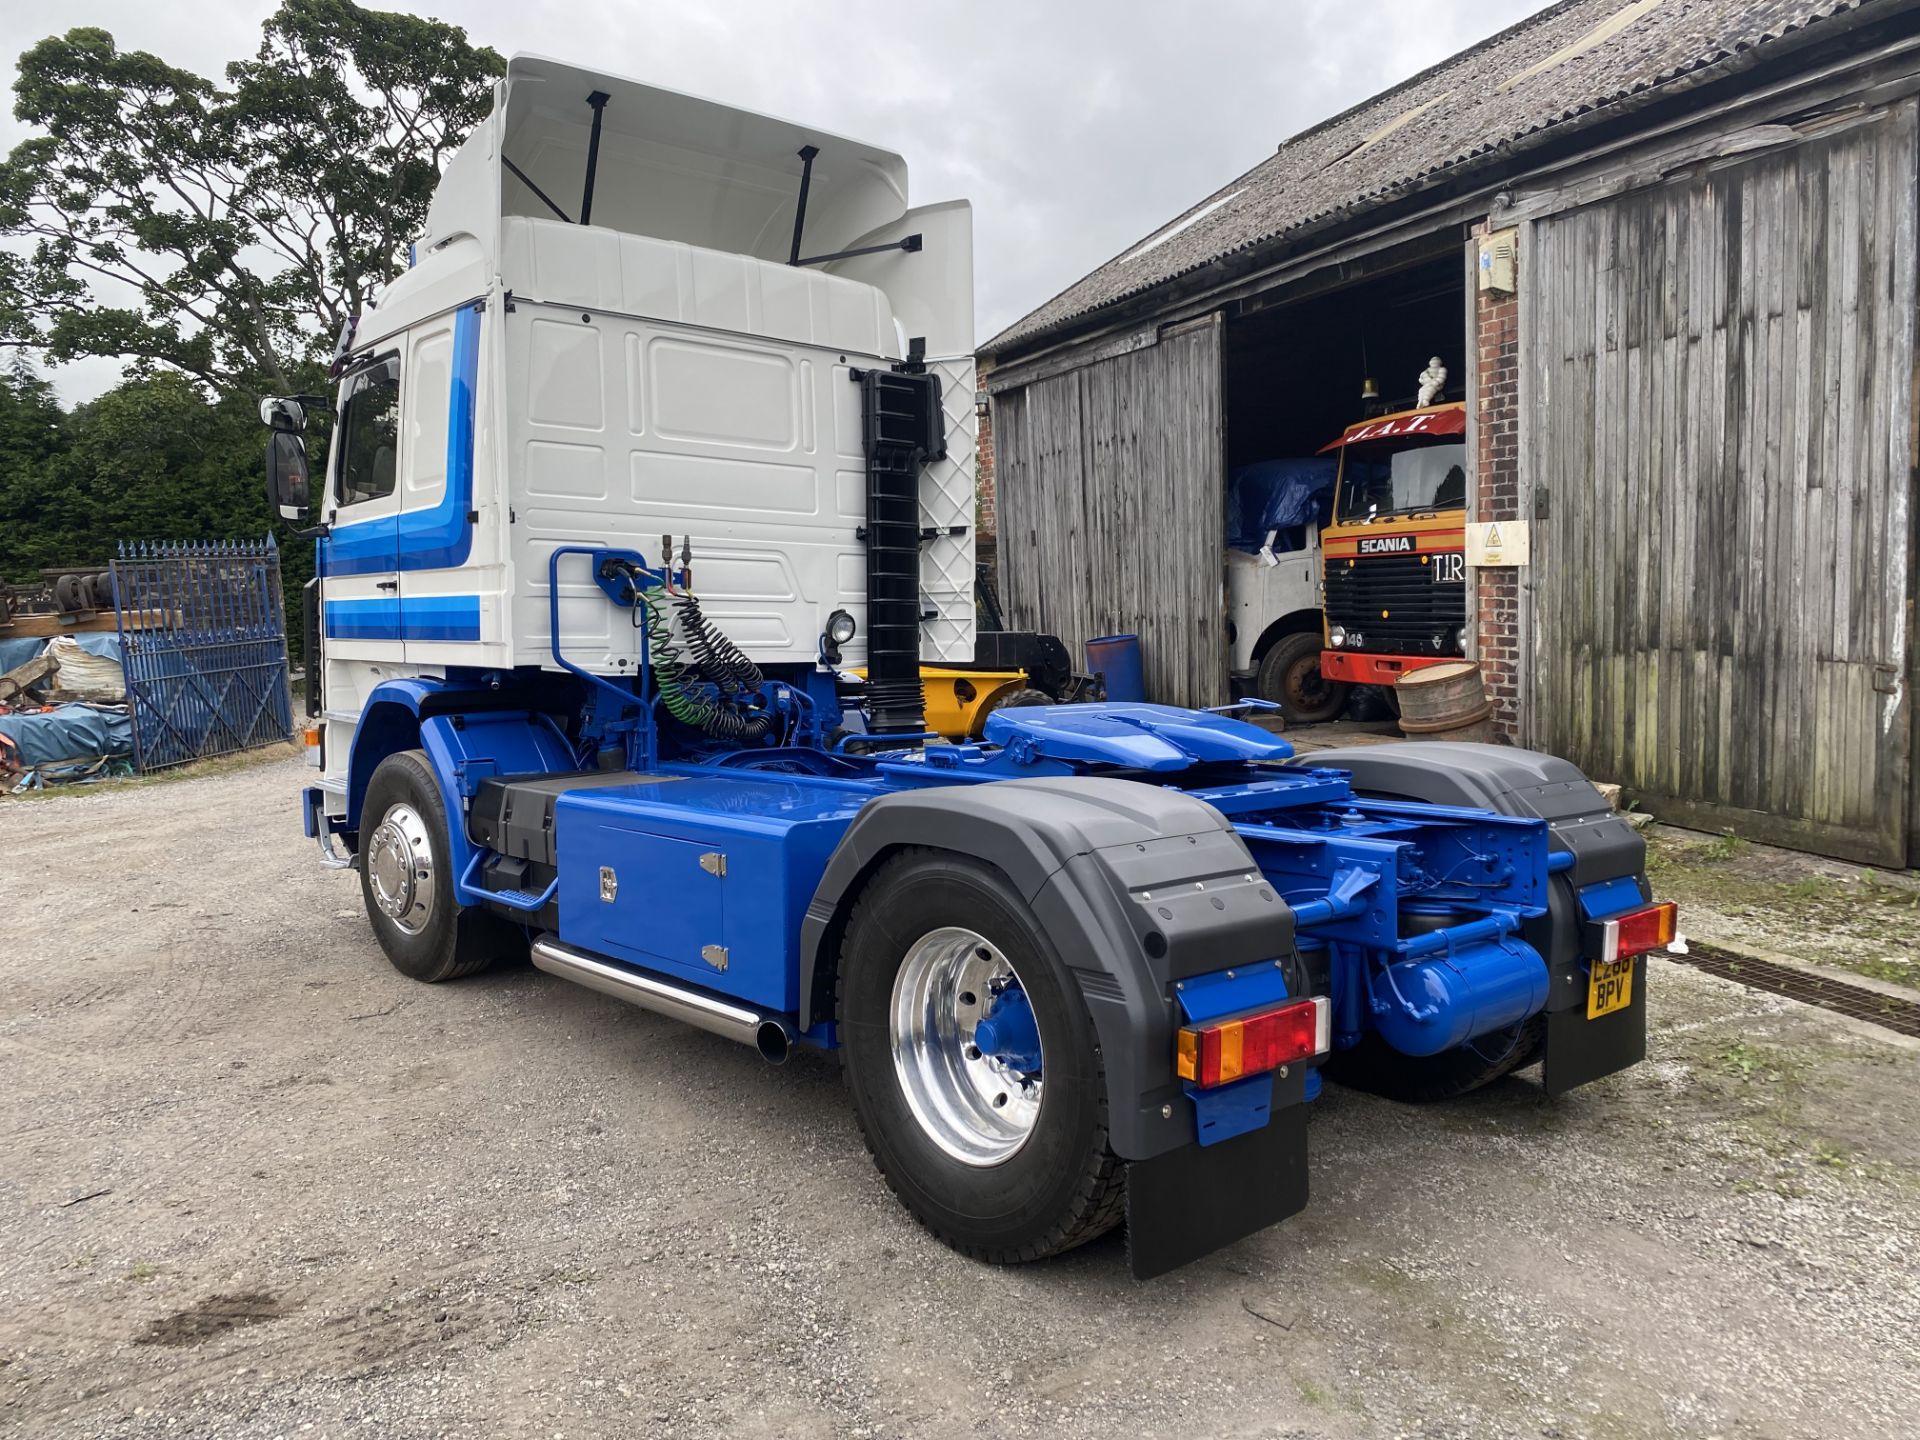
x: 203, y: 637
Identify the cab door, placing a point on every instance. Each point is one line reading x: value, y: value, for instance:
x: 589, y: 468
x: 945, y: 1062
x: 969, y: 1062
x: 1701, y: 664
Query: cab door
x: 359, y: 557
x: 448, y: 585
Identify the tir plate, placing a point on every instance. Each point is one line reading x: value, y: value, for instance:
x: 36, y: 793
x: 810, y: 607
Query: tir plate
x: 1609, y: 987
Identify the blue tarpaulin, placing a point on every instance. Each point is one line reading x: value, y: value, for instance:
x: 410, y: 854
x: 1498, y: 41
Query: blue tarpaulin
x: 15, y: 652
x: 1283, y: 495
x: 68, y: 732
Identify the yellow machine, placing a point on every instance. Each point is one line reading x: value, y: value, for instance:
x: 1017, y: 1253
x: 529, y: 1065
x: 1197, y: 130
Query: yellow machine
x: 1009, y: 668
x: 959, y: 701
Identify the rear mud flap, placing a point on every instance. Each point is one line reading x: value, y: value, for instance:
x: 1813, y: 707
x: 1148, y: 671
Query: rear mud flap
x: 1579, y: 1049
x: 1189, y: 1202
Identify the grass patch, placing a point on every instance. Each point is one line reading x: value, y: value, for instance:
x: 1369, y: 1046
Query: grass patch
x: 1814, y: 910
x: 1725, y: 847
x: 1759, y: 1064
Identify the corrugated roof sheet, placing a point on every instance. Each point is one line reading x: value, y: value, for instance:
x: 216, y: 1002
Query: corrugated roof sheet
x: 1571, y: 58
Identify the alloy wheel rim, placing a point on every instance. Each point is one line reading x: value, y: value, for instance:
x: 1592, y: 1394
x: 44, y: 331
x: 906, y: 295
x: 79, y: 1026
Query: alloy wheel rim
x: 400, y: 869
x: 979, y: 1108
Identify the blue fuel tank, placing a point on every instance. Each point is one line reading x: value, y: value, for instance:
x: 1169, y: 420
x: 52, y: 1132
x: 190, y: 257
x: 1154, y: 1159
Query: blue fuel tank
x: 1422, y: 1007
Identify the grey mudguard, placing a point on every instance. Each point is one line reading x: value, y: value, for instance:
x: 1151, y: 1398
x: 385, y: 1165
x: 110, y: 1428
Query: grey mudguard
x: 1135, y: 886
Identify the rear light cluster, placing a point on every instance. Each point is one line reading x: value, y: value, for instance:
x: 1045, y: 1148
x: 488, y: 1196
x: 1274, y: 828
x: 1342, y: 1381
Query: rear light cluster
x: 1241, y: 1045
x: 1649, y: 928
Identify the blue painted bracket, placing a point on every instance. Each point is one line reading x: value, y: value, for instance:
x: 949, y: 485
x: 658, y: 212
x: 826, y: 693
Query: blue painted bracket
x: 482, y: 746
x: 614, y: 587
x: 513, y: 899
x: 1343, y: 899
x: 1230, y: 1110
x: 1609, y: 897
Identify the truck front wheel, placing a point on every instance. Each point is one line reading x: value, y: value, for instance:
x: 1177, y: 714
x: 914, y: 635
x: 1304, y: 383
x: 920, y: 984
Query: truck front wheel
x: 1290, y: 677
x: 406, y: 883
x: 972, y: 1063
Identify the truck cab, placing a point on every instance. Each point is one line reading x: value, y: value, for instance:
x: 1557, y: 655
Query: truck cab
x: 1275, y: 510
x: 1394, y: 556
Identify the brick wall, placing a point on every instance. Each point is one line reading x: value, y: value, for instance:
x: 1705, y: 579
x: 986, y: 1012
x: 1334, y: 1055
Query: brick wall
x: 985, y: 517
x: 1497, y: 616
x: 983, y: 477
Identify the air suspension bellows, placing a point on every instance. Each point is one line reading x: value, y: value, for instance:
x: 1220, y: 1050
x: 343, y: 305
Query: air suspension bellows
x: 901, y: 409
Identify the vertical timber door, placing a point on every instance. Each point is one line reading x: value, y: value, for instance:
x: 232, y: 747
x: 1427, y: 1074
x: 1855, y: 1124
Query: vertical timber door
x: 1718, y: 420
x: 1110, y: 485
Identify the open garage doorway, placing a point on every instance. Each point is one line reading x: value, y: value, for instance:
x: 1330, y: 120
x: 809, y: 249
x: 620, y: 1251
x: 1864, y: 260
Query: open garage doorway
x: 1299, y: 372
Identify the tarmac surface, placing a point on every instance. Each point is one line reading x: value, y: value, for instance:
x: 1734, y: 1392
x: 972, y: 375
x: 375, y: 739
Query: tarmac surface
x: 254, y: 1182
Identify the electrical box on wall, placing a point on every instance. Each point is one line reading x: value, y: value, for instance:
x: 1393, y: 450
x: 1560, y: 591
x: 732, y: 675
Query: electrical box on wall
x: 1496, y: 263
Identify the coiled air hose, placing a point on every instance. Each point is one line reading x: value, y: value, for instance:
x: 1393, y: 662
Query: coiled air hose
x: 690, y: 709
x: 714, y: 654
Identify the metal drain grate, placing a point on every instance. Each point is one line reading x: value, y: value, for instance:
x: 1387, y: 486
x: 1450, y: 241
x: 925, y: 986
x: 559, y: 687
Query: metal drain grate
x: 1829, y: 994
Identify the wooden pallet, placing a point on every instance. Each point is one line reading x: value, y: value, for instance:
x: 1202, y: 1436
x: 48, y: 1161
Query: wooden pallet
x: 80, y: 622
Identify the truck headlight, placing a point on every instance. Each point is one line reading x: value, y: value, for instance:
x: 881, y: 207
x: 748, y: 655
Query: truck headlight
x: 1336, y: 635
x: 840, y: 627
x: 1460, y: 639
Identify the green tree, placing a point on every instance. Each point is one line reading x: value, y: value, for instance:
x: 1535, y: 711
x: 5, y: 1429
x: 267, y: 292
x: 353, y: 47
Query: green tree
x: 224, y: 231
x: 212, y: 235
x: 31, y: 439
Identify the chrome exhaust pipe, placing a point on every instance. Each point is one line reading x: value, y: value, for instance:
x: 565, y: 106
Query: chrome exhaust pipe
x: 769, y: 1036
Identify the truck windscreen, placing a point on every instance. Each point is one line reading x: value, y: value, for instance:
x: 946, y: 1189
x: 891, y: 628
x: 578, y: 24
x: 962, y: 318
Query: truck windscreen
x: 1429, y: 477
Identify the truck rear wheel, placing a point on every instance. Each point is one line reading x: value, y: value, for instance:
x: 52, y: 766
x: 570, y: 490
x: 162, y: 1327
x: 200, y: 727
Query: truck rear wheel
x: 1290, y: 676
x: 1376, y: 1067
x: 972, y: 1063
x: 406, y: 882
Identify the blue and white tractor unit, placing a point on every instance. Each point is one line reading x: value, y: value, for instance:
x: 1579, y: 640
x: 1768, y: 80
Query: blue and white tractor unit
x: 667, y: 431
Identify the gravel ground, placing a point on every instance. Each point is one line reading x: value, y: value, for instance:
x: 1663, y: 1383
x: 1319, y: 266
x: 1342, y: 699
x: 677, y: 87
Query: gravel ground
x: 256, y: 1183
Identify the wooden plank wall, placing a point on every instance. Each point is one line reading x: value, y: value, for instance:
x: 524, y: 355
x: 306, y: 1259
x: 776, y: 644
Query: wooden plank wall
x: 1718, y: 428
x: 1111, y: 489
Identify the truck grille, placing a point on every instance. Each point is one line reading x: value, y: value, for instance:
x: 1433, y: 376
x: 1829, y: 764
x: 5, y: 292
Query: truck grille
x: 1418, y: 609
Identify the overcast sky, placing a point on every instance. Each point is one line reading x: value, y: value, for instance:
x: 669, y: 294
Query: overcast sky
x: 1076, y: 127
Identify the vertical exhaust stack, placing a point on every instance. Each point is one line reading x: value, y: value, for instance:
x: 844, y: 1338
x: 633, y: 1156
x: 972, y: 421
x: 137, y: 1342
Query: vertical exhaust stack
x: 904, y: 430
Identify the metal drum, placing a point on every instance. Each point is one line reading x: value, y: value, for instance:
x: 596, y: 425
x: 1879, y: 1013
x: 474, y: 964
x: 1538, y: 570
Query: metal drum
x: 1445, y: 702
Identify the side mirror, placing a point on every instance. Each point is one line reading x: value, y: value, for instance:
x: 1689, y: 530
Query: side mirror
x: 287, y: 476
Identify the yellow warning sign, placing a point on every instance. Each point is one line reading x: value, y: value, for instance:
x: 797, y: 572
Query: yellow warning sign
x: 1497, y: 542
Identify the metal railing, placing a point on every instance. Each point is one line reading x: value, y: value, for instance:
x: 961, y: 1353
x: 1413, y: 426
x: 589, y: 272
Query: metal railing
x: 203, y: 639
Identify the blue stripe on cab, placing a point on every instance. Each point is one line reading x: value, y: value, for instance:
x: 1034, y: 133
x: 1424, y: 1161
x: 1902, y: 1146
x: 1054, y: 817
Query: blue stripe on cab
x: 441, y: 537
x: 422, y: 617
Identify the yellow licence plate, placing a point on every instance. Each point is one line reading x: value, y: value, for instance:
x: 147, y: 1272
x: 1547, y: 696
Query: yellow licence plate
x: 1610, y: 987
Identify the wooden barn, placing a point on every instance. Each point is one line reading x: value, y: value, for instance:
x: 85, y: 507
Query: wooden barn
x: 1666, y: 249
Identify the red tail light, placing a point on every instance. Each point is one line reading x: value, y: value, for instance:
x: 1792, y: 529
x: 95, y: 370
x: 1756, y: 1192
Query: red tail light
x: 1649, y: 928
x: 1225, y: 1050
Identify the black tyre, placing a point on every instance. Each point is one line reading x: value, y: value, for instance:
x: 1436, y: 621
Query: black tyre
x: 1014, y: 699
x: 407, y: 884
x: 1290, y: 676
x: 1375, y: 1066
x: 1002, y: 1158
